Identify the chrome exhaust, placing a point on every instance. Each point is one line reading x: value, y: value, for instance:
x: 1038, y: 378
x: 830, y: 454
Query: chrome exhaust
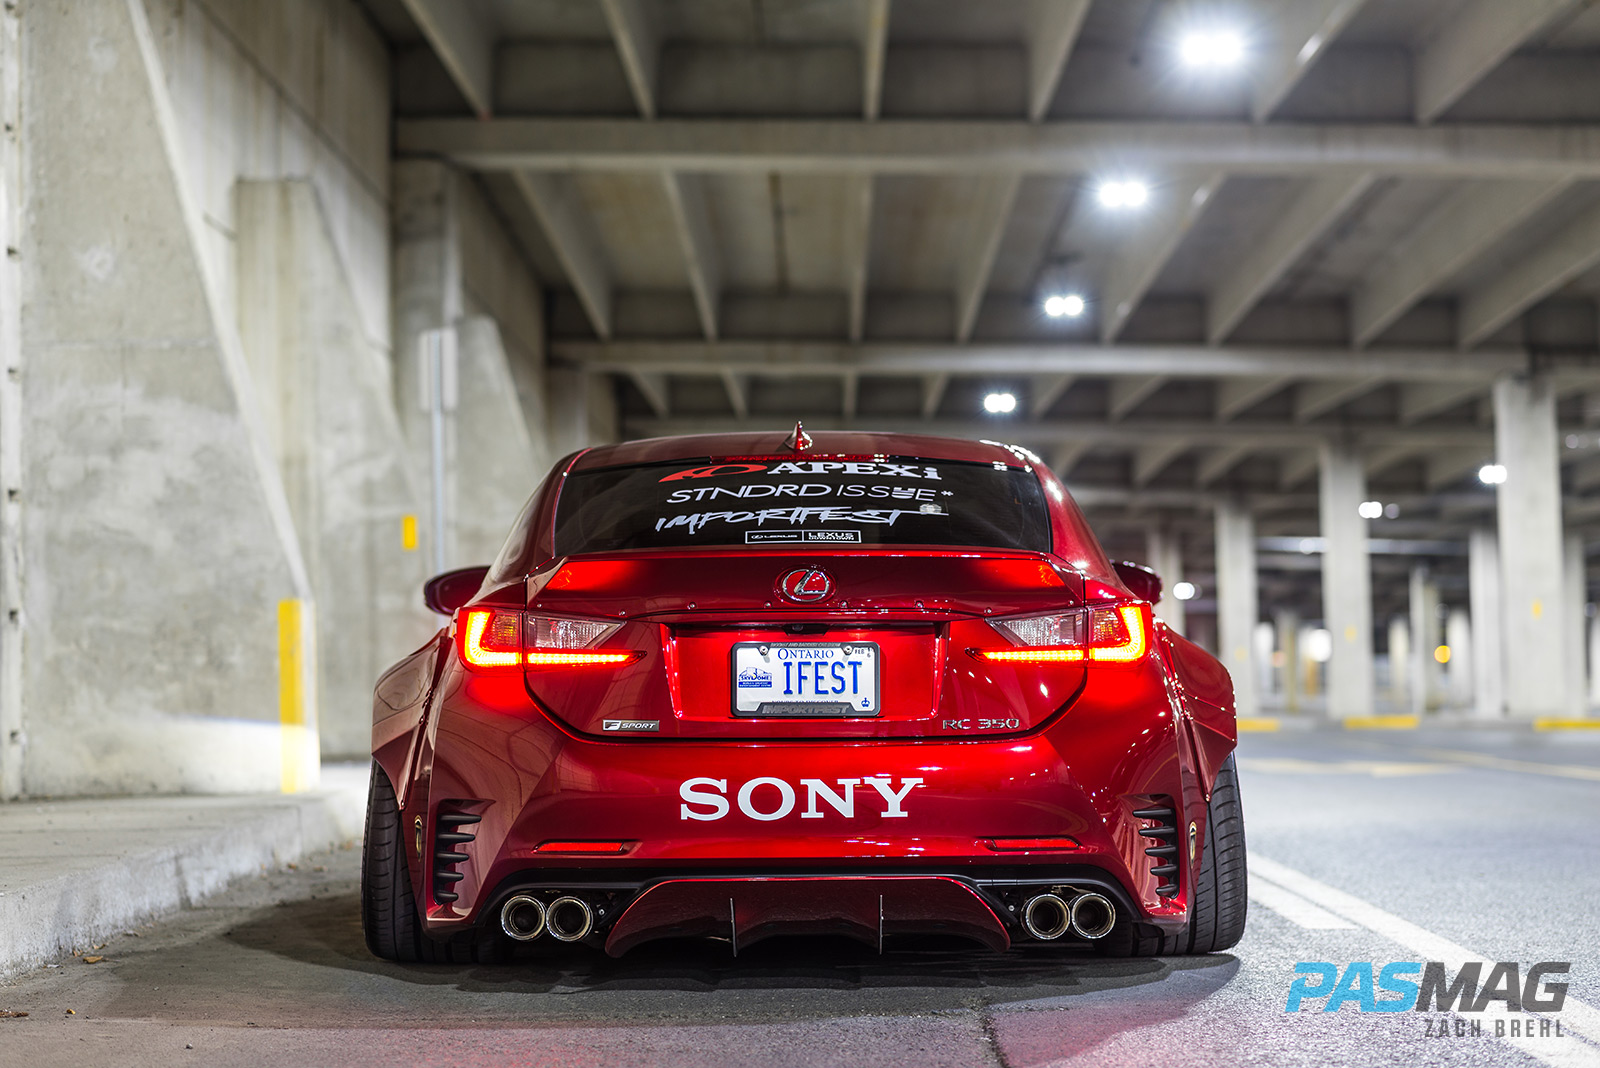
x: 1046, y: 917
x: 523, y: 918
x: 1093, y: 916
x: 570, y: 919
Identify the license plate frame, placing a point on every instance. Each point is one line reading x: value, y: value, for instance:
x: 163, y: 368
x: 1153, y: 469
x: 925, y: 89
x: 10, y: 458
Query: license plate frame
x: 746, y: 699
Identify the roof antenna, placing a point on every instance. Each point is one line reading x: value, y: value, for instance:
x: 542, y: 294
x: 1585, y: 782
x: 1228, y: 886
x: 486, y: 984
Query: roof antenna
x: 799, y: 441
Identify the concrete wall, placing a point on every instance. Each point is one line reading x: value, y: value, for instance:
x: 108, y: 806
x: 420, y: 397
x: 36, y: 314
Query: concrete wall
x: 337, y: 441
x: 11, y: 729
x: 167, y: 609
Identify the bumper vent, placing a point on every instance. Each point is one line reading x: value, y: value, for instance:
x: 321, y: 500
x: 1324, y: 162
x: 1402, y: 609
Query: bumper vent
x: 454, y: 830
x: 1163, y: 847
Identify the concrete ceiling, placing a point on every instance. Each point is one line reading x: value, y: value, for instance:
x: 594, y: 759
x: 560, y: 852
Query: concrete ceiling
x: 851, y: 210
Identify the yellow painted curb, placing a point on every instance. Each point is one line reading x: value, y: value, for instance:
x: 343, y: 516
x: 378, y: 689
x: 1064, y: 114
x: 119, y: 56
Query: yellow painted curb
x: 1257, y: 723
x: 1552, y: 723
x: 1381, y: 723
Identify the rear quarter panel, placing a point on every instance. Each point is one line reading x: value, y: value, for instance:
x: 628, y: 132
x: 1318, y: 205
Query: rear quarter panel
x: 1206, y: 691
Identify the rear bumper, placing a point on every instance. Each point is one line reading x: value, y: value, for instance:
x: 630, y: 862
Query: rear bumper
x: 752, y: 811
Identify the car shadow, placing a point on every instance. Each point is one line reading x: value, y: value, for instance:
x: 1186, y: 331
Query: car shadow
x: 780, y: 977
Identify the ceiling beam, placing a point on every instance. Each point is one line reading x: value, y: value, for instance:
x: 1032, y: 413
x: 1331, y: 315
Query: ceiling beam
x: 1064, y: 457
x: 932, y: 147
x: 1319, y: 398
x: 1218, y: 462
x: 638, y: 46
x: 1129, y: 434
x: 1046, y: 391
x: 1296, y: 467
x: 1129, y: 392
x: 738, y: 387
x: 933, y: 387
x: 1451, y: 237
x: 1236, y: 395
x: 851, y: 395
x: 988, y: 212
x: 565, y: 221
x: 1568, y: 253
x: 1310, y: 215
x: 1305, y: 30
x: 1470, y: 44
x: 1139, y: 259
x: 874, y: 50
x: 460, y: 35
x: 781, y: 359
x: 1152, y: 459
x: 691, y: 217
x: 1446, y: 467
x: 1052, y: 28
x: 1418, y: 400
x: 656, y: 393
x: 858, y: 251
x: 1381, y: 460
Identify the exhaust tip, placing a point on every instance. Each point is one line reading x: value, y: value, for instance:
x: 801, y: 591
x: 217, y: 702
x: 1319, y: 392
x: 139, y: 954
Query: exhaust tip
x: 1046, y: 917
x: 523, y: 918
x: 569, y: 919
x: 1093, y: 916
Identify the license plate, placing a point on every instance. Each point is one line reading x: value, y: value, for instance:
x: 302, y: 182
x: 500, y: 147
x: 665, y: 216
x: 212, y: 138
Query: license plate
x: 780, y: 679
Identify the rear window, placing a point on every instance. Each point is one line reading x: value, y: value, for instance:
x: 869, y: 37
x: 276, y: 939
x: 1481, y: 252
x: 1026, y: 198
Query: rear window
x: 777, y: 502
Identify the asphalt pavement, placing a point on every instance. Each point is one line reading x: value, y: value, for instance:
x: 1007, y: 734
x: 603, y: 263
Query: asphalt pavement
x: 1376, y: 847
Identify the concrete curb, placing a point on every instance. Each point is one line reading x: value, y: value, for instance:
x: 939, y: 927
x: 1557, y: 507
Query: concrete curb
x: 76, y: 872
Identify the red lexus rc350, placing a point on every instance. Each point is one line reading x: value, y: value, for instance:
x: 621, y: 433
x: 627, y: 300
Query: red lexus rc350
x: 738, y: 686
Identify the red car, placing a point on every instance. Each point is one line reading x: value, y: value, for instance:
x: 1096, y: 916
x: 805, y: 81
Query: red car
x: 737, y: 686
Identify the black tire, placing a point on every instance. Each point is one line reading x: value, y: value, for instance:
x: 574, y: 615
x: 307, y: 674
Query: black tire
x: 389, y: 915
x: 1217, y: 905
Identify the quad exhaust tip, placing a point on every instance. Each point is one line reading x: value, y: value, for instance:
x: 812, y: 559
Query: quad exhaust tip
x: 1047, y: 917
x: 569, y: 919
x: 1093, y: 916
x: 524, y: 918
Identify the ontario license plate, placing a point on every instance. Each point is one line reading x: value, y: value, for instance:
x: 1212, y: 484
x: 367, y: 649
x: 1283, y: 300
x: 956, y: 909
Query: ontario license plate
x: 780, y: 679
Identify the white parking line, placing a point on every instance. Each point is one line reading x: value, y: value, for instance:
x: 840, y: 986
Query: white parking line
x: 1294, y: 908
x: 1577, y: 1017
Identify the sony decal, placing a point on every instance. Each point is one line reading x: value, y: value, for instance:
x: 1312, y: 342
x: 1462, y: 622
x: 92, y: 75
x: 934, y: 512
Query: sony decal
x: 768, y: 799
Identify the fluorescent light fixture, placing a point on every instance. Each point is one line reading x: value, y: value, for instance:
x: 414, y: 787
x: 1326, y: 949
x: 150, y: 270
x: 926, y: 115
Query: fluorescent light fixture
x: 1370, y: 509
x: 1000, y: 403
x: 1185, y: 591
x: 1492, y: 474
x: 1215, y: 49
x: 1064, y: 305
x: 1122, y: 193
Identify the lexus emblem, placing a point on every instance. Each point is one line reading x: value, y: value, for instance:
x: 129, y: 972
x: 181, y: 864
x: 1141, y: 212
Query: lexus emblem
x: 806, y: 585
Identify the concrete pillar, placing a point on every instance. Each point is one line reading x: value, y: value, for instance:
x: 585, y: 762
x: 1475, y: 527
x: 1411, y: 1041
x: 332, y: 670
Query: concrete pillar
x: 583, y: 411
x: 170, y: 629
x: 1528, y: 510
x: 1288, y: 626
x: 1165, y: 557
x: 496, y: 450
x: 1594, y: 661
x: 1422, y: 671
x: 1459, y: 672
x: 1485, y: 604
x: 11, y: 487
x: 1575, y: 580
x: 1400, y: 660
x: 1346, y: 582
x: 325, y: 394
x: 1237, y: 601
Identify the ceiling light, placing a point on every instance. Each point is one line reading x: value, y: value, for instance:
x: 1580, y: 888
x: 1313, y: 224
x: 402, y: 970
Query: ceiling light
x: 1370, y: 509
x: 1000, y: 403
x: 1492, y: 474
x: 1127, y: 193
x: 1069, y: 305
x: 1391, y: 511
x: 1185, y: 591
x: 1211, y: 49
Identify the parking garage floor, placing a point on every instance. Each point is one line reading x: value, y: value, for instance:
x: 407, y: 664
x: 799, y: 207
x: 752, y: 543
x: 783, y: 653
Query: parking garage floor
x: 1366, y: 847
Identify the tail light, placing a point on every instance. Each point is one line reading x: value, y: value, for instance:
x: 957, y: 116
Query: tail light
x: 497, y: 639
x: 1116, y: 635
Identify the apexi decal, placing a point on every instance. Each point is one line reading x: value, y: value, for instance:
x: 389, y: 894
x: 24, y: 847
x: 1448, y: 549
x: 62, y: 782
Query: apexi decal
x: 804, y: 489
x: 1468, y: 991
x: 809, y: 467
x: 792, y: 516
x: 768, y: 799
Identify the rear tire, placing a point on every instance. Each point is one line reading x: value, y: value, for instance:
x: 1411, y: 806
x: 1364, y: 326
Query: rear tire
x: 1217, y: 901
x: 389, y: 915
